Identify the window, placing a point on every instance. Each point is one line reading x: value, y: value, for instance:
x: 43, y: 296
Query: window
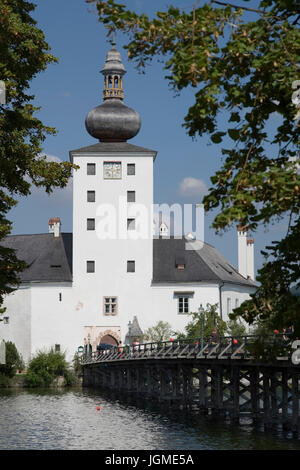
x: 236, y: 303
x: 91, y: 169
x: 6, y: 320
x: 110, y: 305
x: 57, y: 348
x: 228, y: 305
x: 130, y: 196
x: 180, y: 267
x: 90, y: 266
x: 131, y: 266
x: 183, y: 304
x: 112, y: 170
x: 130, y: 224
x: 91, y: 196
x: 90, y: 224
x: 60, y: 296
x: 130, y: 169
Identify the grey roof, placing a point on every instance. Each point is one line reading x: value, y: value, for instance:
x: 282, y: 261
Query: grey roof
x: 49, y: 258
x: 111, y: 147
x: 134, y: 329
x: 205, y: 264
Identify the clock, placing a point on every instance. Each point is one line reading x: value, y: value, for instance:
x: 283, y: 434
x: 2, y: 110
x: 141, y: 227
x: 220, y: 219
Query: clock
x: 112, y: 170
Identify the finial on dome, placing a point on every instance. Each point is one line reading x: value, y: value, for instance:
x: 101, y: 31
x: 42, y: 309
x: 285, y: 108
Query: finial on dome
x: 113, y: 38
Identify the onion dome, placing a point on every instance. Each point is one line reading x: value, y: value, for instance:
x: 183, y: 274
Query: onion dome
x: 113, y: 121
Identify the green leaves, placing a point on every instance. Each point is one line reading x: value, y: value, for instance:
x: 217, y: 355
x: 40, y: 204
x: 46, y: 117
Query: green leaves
x: 217, y: 137
x: 243, y: 66
x: 24, y: 53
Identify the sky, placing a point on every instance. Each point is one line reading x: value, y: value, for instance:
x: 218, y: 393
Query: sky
x: 67, y: 91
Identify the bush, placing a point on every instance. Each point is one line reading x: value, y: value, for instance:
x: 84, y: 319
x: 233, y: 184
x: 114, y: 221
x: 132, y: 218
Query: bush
x: 45, y: 367
x: 77, y: 365
x: 13, y: 360
x: 236, y: 328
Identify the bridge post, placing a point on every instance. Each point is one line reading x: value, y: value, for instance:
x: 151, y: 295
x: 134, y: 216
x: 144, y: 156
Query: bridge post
x: 202, y: 373
x: 216, y: 390
x: 295, y: 403
x: 255, y: 393
x: 285, y: 390
x: 235, y: 394
x: 266, y: 397
x: 274, y: 397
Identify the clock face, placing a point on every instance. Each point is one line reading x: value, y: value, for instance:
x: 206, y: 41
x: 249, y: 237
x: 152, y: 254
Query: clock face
x: 112, y: 170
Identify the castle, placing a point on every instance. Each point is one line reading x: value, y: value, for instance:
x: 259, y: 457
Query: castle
x: 88, y: 286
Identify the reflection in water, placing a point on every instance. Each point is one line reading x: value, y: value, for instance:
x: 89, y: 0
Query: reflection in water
x: 70, y: 420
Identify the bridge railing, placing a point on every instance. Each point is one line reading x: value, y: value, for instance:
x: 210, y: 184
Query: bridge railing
x: 277, y: 346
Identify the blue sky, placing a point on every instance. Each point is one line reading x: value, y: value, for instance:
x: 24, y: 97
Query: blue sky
x: 67, y: 91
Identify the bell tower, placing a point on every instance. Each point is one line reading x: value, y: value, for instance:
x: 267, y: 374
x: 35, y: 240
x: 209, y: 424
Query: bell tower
x: 112, y: 214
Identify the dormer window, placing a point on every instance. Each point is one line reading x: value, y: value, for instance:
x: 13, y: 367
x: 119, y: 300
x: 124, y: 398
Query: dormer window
x: 180, y: 262
x: 180, y: 267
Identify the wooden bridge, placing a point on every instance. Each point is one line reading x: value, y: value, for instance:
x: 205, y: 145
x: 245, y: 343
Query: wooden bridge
x: 222, y: 379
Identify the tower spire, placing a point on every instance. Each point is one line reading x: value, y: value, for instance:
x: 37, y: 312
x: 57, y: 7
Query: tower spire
x: 113, y: 71
x: 113, y: 121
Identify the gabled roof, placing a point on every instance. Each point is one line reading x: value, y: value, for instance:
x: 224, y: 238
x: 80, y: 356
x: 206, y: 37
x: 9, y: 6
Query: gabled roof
x: 202, y: 262
x: 112, y: 147
x: 49, y: 258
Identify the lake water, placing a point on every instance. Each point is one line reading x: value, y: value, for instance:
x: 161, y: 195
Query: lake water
x: 69, y: 419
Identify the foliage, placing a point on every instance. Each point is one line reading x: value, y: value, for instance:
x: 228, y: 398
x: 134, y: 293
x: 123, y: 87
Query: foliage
x: 13, y: 360
x: 77, y: 364
x: 236, y: 328
x: 24, y: 53
x: 211, y: 320
x: 160, y: 332
x: 273, y: 304
x: 243, y: 64
x: 45, y: 367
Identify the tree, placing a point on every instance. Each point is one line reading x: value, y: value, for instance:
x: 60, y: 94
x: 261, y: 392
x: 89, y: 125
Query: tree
x: 45, y: 367
x: 274, y: 305
x: 24, y: 53
x: 13, y: 360
x: 210, y: 320
x: 160, y: 332
x: 236, y: 328
x: 243, y: 64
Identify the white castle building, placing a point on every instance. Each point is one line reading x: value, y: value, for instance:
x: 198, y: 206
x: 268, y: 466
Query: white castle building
x: 86, y: 287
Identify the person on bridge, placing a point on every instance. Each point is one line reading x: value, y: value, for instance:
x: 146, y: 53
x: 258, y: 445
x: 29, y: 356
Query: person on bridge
x: 214, y: 339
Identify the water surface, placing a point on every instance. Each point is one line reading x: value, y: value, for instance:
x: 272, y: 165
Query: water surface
x: 69, y: 420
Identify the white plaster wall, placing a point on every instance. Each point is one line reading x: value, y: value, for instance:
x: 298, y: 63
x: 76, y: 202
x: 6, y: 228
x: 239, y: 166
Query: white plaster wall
x: 165, y: 303
x: 233, y: 292
x: 18, y: 330
x: 111, y: 278
x: 54, y: 321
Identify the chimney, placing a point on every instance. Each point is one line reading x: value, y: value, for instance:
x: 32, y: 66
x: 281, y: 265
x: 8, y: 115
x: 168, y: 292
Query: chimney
x: 245, y: 253
x: 163, y: 230
x: 242, y: 249
x: 54, y: 226
x: 250, y: 258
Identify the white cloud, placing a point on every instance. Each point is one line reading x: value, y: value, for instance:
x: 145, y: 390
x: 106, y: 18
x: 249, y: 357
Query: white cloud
x: 192, y: 187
